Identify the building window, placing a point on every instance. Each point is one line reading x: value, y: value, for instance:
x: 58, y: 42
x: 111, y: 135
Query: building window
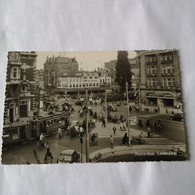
x: 149, y: 82
x: 149, y: 70
x: 164, y: 70
x: 173, y: 69
x: 153, y: 82
x: 23, y: 88
x: 168, y: 69
x: 14, y: 72
x: 153, y: 70
x: 164, y: 82
x: 169, y: 82
x: 173, y: 82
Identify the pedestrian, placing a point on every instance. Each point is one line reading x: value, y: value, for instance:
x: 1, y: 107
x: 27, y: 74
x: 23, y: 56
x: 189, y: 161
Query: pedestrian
x: 130, y: 108
x: 48, y: 153
x: 111, y: 142
x: 81, y: 130
x: 125, y: 139
x: 148, y: 123
x: 103, y: 123
x: 124, y: 125
x: 121, y: 126
x: 59, y: 134
x: 114, y: 130
x: 121, y: 118
x: 149, y: 132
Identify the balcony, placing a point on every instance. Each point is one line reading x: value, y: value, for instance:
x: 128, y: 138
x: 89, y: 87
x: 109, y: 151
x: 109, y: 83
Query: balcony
x: 151, y: 62
x: 166, y: 61
x: 167, y: 74
x: 152, y: 75
x: 13, y: 82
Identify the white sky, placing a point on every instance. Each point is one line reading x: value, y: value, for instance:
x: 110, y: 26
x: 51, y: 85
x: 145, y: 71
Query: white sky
x: 86, y: 60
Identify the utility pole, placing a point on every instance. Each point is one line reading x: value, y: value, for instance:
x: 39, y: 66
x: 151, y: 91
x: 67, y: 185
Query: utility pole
x: 81, y: 141
x: 105, y: 100
x: 87, y: 127
x: 129, y: 140
x: 38, y: 102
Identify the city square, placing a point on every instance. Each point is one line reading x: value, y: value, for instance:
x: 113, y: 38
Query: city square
x: 112, y: 113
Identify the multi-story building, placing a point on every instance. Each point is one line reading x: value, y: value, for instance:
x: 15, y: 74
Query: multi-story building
x: 94, y: 81
x: 39, y: 78
x: 56, y: 67
x: 111, y: 68
x: 20, y: 85
x: 135, y: 72
x: 160, y: 79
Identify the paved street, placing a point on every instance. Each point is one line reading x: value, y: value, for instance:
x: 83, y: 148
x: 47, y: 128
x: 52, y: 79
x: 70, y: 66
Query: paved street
x: 167, y: 137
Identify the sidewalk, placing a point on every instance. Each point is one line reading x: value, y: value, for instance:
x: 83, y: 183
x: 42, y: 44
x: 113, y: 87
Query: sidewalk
x: 108, y: 131
x: 136, y: 149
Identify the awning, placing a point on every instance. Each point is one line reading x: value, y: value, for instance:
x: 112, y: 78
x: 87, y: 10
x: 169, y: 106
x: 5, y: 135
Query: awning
x: 159, y: 97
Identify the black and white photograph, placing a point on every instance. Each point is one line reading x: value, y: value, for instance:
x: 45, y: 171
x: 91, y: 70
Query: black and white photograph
x: 93, y: 107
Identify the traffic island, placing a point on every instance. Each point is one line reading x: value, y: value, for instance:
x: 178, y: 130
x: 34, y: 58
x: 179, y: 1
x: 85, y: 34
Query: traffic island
x: 139, y: 153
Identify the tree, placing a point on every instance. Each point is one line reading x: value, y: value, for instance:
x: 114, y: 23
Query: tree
x: 123, y: 70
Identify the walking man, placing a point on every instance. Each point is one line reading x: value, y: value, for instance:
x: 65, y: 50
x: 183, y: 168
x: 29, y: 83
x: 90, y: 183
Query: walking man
x: 114, y: 130
x: 111, y: 142
x: 103, y: 123
x: 48, y: 154
x: 149, y: 132
x: 124, y: 125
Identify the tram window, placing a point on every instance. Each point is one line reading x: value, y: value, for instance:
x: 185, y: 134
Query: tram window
x: 7, y: 132
x: 15, y: 132
x: 48, y: 123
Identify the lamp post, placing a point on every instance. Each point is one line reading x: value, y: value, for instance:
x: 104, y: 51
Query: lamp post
x: 129, y: 142
x: 87, y: 127
x: 81, y: 141
x: 105, y: 100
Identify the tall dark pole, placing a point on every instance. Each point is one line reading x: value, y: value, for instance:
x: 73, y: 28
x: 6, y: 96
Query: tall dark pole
x: 81, y: 141
x: 106, y: 111
x: 87, y: 127
x: 38, y: 101
x: 129, y: 140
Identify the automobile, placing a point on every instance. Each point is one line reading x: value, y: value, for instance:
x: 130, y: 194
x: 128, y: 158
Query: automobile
x: 79, y: 103
x: 112, y: 108
x: 74, y: 123
x: 69, y: 156
x: 177, y: 117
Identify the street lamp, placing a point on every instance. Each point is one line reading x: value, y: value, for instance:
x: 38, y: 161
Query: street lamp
x: 87, y: 127
x: 129, y: 140
x: 81, y: 141
x: 105, y: 100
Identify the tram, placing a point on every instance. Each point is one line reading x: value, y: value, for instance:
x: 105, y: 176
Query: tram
x: 48, y: 125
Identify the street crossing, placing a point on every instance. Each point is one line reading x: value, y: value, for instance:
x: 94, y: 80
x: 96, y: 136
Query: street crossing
x: 154, y: 140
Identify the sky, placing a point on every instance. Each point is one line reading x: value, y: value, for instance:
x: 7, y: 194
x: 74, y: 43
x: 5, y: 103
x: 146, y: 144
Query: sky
x: 86, y: 60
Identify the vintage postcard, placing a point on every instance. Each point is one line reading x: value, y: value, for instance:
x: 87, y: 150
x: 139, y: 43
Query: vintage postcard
x: 89, y: 107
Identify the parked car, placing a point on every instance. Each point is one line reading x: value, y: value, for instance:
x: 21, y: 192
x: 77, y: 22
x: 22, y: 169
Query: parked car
x: 79, y: 103
x: 69, y: 156
x: 177, y: 117
x: 112, y: 108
